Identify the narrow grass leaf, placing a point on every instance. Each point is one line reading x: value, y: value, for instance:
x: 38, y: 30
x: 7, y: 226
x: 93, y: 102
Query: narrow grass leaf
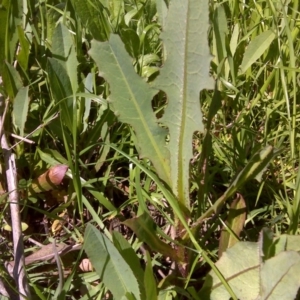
x: 220, y: 32
x: 116, y: 11
x: 61, y: 89
x: 4, y: 24
x: 234, y: 223
x: 64, y: 50
x: 92, y: 16
x: 53, y: 16
x: 23, y: 55
x: 255, y: 166
x: 110, y: 265
x: 20, y: 111
x: 11, y: 80
x: 256, y: 49
x: 145, y: 229
x: 149, y: 281
x: 88, y: 87
x: 184, y: 75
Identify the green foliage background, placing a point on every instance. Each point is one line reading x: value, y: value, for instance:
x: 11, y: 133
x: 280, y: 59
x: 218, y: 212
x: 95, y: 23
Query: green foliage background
x: 50, y: 61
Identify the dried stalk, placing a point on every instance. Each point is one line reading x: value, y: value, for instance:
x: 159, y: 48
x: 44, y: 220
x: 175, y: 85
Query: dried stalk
x: 19, y: 274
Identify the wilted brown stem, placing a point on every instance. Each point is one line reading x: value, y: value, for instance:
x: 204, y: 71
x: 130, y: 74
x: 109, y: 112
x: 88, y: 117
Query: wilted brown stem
x: 10, y: 166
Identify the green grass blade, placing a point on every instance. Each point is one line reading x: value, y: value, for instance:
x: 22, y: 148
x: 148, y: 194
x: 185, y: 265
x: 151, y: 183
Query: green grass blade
x: 256, y: 49
x: 180, y: 215
x: 20, y: 111
x: 92, y: 16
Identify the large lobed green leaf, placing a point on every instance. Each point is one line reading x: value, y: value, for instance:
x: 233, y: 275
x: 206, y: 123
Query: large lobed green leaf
x: 131, y: 101
x: 265, y: 270
x: 184, y: 75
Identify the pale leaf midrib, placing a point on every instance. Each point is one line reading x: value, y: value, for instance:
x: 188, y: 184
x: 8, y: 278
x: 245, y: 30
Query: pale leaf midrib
x: 181, y: 162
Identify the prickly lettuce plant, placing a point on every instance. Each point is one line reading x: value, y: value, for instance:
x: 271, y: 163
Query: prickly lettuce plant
x: 167, y: 142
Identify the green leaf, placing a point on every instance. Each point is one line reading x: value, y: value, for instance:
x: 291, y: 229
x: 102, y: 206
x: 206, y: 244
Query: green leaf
x: 131, y: 41
x: 280, y: 276
x: 162, y: 11
x: 149, y: 281
x: 20, y: 111
x: 235, y: 223
x: 110, y: 265
x: 132, y: 13
x: 293, y: 243
x: 23, y: 55
x: 116, y: 8
x: 61, y: 89
x: 145, y: 229
x: 131, y: 100
x: 64, y: 50
x: 255, y: 166
x: 52, y: 18
x: 88, y: 87
x: 266, y: 245
x: 256, y: 49
x: 240, y: 267
x: 275, y: 276
x: 4, y: 25
x: 92, y: 16
x: 220, y: 32
x: 11, y: 14
x: 131, y: 258
x: 11, y: 80
x: 184, y: 75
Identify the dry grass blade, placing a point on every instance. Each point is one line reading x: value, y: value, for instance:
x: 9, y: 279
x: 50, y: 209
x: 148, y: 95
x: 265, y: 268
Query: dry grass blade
x: 11, y: 175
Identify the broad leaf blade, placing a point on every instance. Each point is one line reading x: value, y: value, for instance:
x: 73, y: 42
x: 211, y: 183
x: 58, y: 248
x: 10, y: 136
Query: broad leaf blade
x: 131, y: 100
x: 184, y: 75
x: 131, y: 258
x: 20, y: 111
x: 110, y: 265
x: 280, y: 276
x: 240, y: 267
x: 11, y: 80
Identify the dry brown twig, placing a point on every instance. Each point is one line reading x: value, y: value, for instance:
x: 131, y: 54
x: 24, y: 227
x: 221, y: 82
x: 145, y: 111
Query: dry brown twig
x: 18, y: 272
